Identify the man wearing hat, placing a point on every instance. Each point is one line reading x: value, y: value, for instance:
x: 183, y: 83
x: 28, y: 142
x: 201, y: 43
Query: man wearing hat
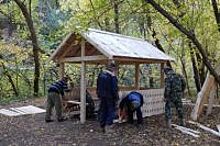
x: 174, y: 88
x: 129, y: 104
x: 54, y: 99
x: 107, y: 91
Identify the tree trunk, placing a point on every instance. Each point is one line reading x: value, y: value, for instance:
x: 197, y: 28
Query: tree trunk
x: 201, y: 68
x: 216, y: 12
x: 195, y: 70
x: 185, y: 74
x: 10, y: 80
x: 116, y: 16
x: 190, y: 34
x: 36, y: 48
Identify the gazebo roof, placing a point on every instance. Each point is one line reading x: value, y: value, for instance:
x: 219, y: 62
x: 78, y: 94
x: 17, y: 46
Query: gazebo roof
x: 102, y: 45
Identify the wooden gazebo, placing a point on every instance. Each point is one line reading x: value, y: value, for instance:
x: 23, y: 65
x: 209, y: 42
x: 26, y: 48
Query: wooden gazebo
x: 99, y: 47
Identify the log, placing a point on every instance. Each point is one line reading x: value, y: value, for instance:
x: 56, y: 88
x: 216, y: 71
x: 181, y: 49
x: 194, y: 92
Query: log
x: 205, y: 128
x: 187, y: 132
x: 185, y: 128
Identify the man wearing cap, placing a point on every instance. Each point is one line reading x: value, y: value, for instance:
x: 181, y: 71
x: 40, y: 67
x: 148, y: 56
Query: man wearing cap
x: 174, y: 88
x: 54, y: 99
x: 129, y: 104
x: 107, y: 91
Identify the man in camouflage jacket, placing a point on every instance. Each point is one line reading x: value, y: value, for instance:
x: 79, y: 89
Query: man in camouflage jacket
x: 174, y: 88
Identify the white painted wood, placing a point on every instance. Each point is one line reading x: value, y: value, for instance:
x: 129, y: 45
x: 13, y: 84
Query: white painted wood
x: 84, y: 58
x: 205, y: 128
x: 83, y: 86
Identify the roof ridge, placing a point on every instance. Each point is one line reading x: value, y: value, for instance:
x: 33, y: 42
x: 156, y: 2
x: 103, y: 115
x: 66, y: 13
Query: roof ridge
x: 117, y: 34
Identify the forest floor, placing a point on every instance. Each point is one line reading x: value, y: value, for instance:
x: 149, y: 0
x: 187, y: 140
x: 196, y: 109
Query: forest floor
x: 31, y: 130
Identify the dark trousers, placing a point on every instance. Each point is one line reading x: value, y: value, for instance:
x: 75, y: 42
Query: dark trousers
x: 53, y: 100
x: 177, y: 102
x: 138, y: 114
x: 106, y: 113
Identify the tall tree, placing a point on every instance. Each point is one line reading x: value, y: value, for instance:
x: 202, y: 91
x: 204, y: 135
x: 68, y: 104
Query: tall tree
x: 189, y: 33
x: 36, y: 48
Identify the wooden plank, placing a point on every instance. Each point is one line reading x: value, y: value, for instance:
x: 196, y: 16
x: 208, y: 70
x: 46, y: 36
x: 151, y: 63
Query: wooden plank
x: 211, y: 99
x: 61, y: 70
x: 69, y: 36
x: 202, y: 96
x: 137, y: 68
x: 162, y: 75
x: 97, y: 46
x: 187, y: 132
x: 185, y: 128
x: 205, y: 128
x: 83, y: 85
x: 84, y: 58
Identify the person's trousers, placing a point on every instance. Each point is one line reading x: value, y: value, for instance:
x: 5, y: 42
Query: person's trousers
x: 138, y: 114
x: 177, y: 102
x: 106, y: 113
x: 53, y: 100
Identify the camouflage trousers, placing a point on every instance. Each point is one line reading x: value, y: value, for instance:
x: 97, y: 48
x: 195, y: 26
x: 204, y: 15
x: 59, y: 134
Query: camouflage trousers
x: 53, y: 100
x: 177, y: 102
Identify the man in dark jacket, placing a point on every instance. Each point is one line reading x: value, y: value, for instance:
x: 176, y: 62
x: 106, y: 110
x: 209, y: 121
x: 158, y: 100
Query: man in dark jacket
x: 129, y: 104
x: 107, y: 91
x: 54, y: 98
x: 174, y: 88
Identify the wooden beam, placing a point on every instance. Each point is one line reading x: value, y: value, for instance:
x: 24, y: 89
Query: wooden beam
x: 212, y: 96
x: 84, y: 58
x: 104, y: 52
x: 69, y: 36
x: 83, y: 85
x: 205, y: 128
x: 162, y: 75
x: 137, y: 68
x: 67, y: 50
x: 202, y: 96
x: 61, y: 70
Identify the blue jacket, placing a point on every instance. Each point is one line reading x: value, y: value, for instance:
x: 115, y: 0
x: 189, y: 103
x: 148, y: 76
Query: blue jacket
x: 107, y: 86
x: 132, y: 96
x: 58, y: 87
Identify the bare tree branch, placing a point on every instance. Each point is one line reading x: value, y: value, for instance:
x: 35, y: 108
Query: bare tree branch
x: 190, y: 34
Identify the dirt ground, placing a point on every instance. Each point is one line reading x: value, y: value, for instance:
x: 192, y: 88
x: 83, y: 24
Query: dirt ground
x: 31, y: 130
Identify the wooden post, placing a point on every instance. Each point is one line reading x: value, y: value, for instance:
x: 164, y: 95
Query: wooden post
x: 162, y: 75
x: 212, y: 96
x: 83, y: 86
x: 137, y: 85
x: 61, y: 70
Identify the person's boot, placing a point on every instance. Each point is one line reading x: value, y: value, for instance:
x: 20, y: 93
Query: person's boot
x: 169, y: 123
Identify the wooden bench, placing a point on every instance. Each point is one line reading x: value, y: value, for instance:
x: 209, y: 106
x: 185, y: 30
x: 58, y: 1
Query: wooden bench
x: 72, y: 100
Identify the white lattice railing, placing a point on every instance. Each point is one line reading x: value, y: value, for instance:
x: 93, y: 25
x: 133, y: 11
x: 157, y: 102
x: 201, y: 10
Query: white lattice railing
x: 153, y: 101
